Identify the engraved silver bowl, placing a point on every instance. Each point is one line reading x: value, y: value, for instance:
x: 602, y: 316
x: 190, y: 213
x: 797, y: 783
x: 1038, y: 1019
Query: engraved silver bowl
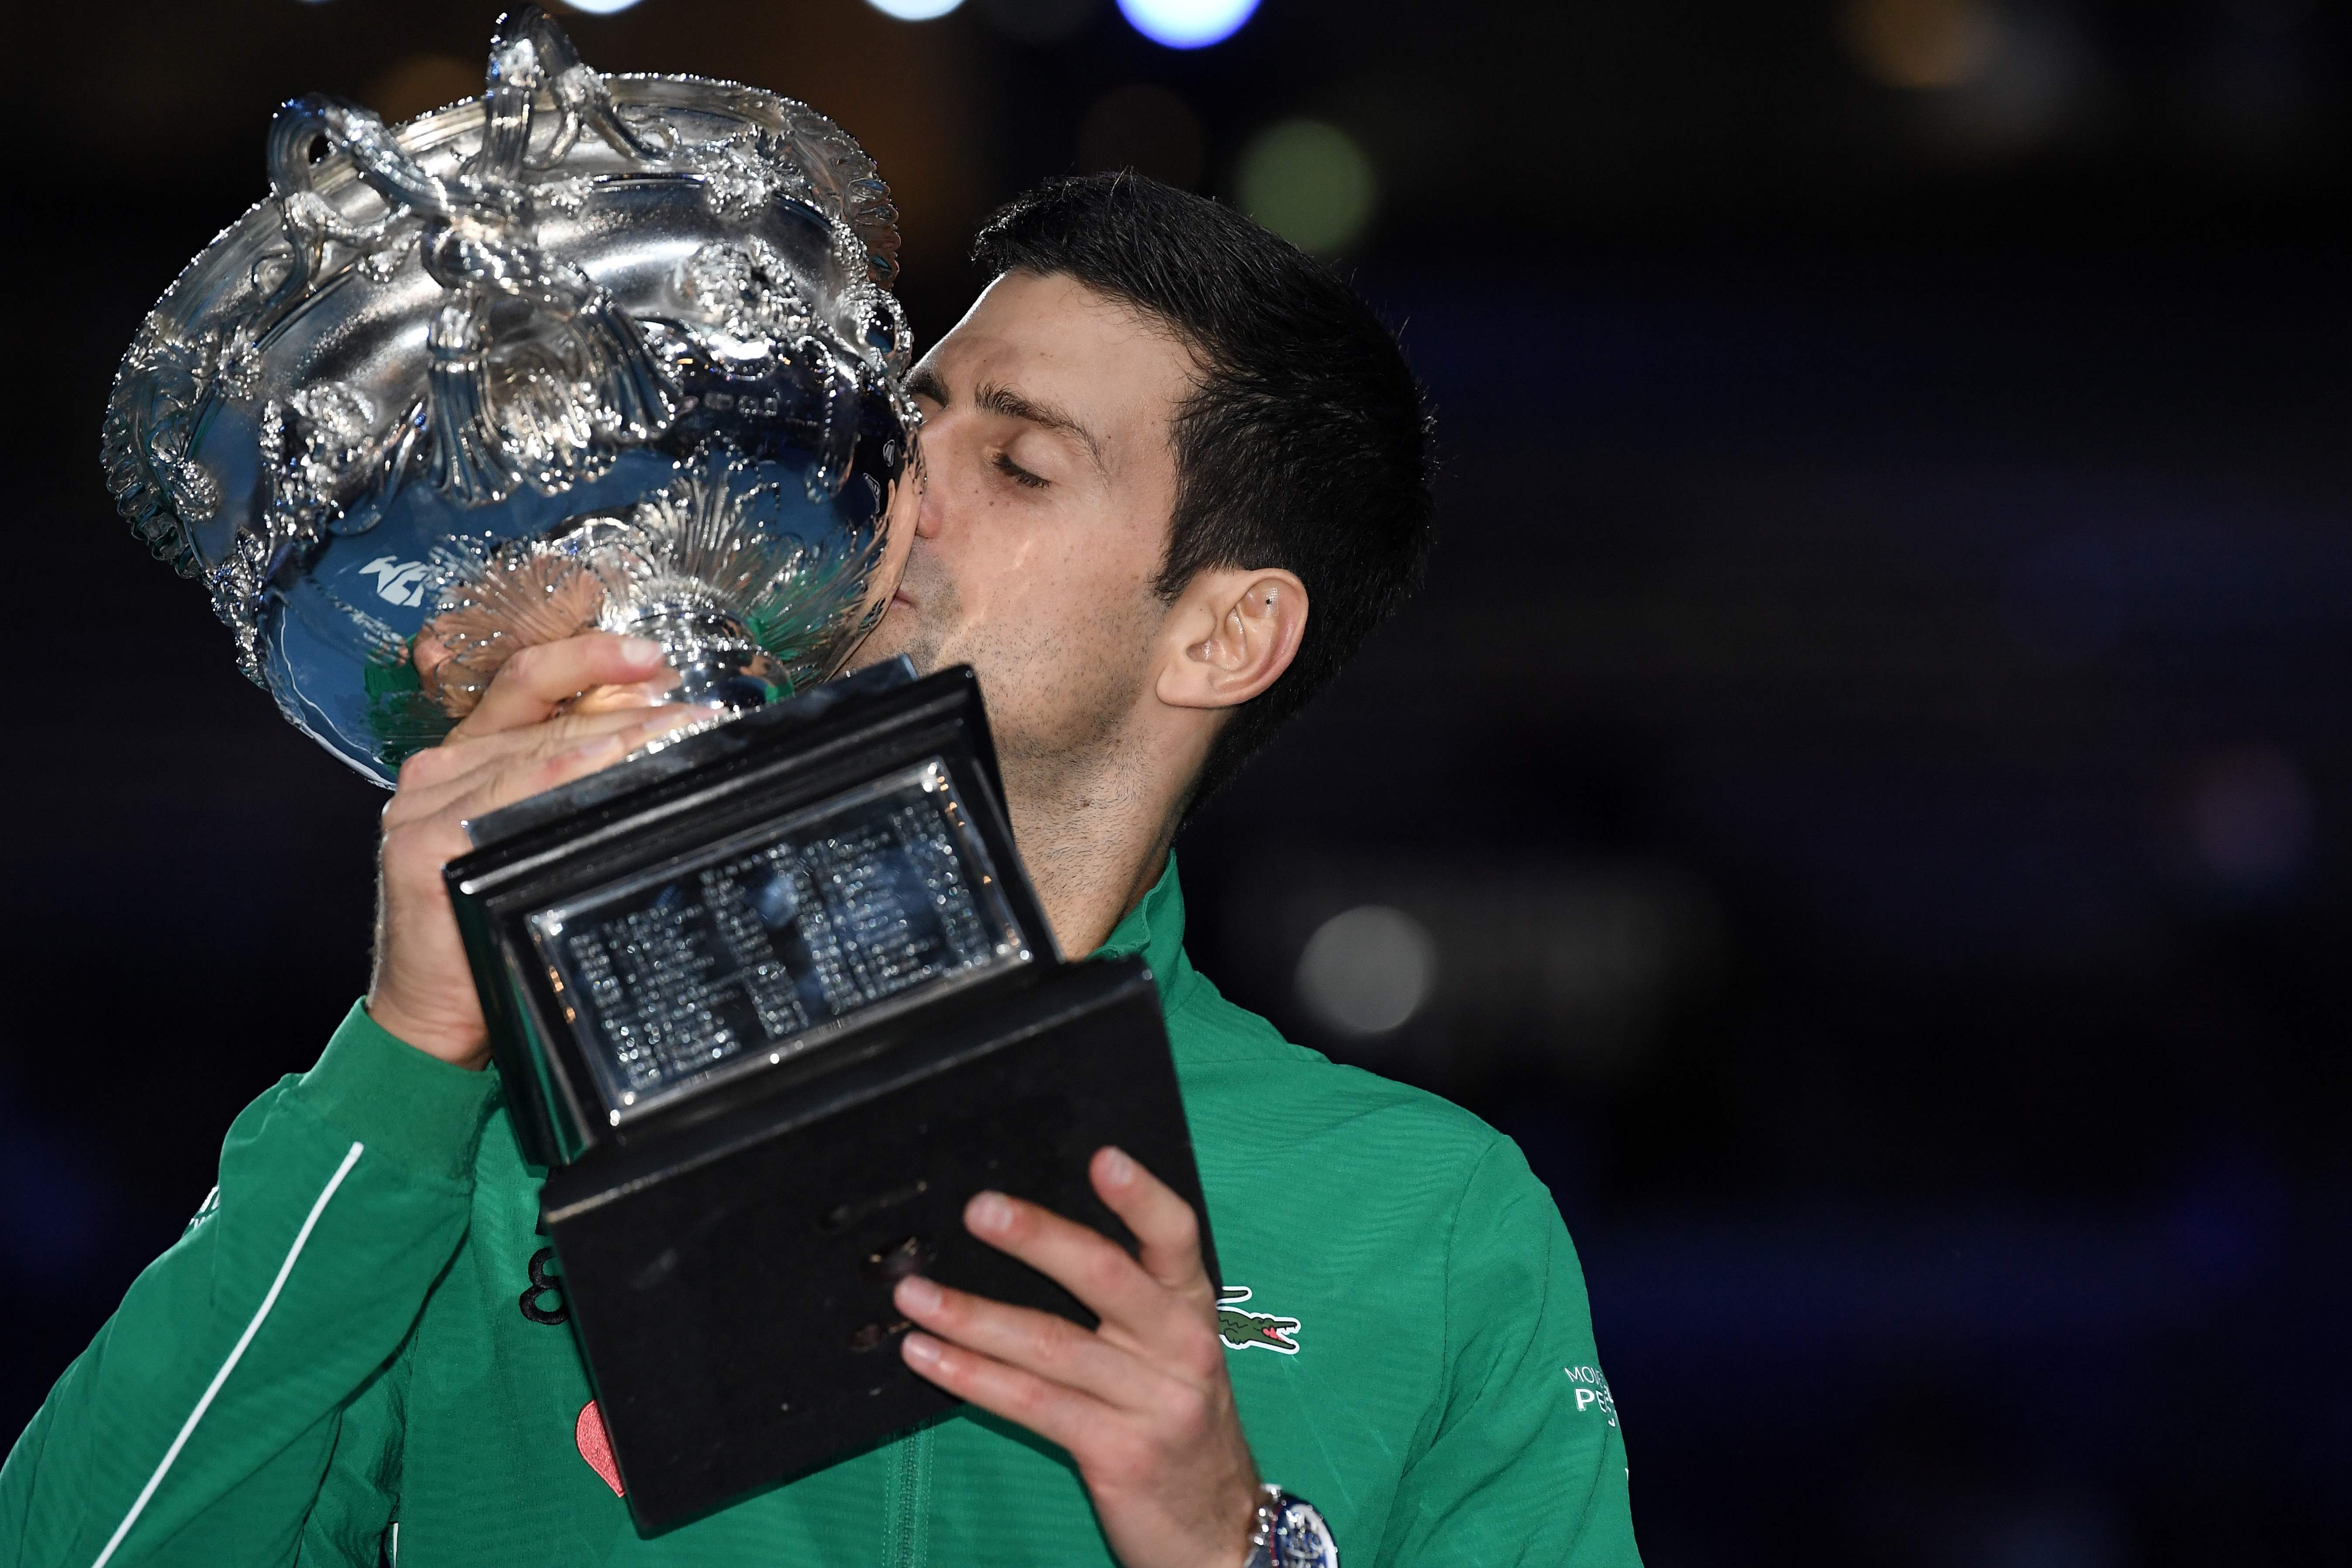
x: 586, y: 351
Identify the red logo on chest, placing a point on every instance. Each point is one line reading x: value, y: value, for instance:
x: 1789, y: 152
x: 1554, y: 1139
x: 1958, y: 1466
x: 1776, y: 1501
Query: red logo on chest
x: 595, y: 1448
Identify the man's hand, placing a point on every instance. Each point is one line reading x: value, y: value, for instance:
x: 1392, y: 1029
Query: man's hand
x: 553, y: 713
x: 1142, y: 1404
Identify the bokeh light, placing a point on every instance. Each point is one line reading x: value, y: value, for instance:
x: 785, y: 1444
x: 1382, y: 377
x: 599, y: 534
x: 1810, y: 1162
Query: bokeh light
x: 1311, y: 183
x: 1368, y: 970
x: 914, y: 10
x: 1145, y: 128
x: 1187, y: 24
x: 2250, y: 815
x: 1922, y: 44
x: 598, y: 7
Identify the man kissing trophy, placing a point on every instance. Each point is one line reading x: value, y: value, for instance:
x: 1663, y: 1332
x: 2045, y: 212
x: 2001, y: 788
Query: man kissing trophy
x: 620, y: 354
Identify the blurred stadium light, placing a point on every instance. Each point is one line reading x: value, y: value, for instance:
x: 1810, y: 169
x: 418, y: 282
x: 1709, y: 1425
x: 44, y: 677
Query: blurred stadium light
x: 1368, y: 969
x: 914, y: 10
x: 1309, y: 181
x: 1446, y: 969
x: 2249, y: 816
x: 1922, y: 44
x: 1187, y: 24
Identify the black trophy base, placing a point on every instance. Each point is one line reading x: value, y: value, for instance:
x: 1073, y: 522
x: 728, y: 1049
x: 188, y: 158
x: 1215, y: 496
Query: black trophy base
x: 732, y: 1286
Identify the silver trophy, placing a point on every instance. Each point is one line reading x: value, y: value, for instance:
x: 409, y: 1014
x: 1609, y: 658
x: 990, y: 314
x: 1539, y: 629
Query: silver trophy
x: 586, y: 351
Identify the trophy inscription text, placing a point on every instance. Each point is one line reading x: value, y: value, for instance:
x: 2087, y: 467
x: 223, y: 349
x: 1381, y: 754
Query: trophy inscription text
x: 751, y: 948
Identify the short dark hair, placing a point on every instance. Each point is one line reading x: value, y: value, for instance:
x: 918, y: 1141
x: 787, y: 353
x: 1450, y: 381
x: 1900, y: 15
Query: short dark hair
x: 1304, y: 444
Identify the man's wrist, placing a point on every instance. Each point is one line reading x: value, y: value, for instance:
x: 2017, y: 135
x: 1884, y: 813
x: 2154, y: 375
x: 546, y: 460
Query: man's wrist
x: 458, y: 1046
x: 415, y: 1110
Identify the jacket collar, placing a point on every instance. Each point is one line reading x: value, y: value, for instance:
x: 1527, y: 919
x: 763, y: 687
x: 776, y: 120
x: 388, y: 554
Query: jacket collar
x: 1155, y: 929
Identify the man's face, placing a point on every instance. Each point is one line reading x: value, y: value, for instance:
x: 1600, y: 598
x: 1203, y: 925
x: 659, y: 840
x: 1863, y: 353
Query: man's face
x: 1043, y: 516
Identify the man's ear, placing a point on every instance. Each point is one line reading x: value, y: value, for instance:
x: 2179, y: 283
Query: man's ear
x: 1231, y: 635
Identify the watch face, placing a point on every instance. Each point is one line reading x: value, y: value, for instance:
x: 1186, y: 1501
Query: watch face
x: 1300, y: 1539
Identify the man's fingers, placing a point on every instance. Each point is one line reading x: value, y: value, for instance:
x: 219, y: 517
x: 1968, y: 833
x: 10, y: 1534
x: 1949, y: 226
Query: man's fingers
x: 620, y: 698
x: 528, y: 688
x: 539, y: 769
x: 1056, y: 1414
x: 458, y: 757
x: 1082, y: 1261
x: 1051, y: 1346
x: 533, y: 773
x: 431, y: 779
x: 1164, y: 1223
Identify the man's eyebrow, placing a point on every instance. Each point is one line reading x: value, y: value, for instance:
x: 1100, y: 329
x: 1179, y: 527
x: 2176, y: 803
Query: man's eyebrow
x: 998, y: 398
x: 926, y: 382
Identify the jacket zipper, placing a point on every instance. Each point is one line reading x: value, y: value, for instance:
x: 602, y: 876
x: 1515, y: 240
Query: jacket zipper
x: 908, y: 1487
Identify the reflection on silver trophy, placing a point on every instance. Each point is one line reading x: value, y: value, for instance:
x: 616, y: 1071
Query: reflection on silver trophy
x: 584, y: 352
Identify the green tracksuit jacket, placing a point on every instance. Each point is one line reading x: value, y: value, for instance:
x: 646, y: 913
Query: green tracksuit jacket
x: 350, y: 1359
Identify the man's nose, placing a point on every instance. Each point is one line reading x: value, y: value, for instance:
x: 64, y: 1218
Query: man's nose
x: 928, y: 510
x: 935, y: 451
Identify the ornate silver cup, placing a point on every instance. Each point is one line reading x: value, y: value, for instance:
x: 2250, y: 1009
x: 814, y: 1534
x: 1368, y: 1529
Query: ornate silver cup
x: 586, y: 351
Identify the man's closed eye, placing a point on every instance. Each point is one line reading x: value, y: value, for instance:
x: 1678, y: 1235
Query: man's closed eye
x: 1017, y: 474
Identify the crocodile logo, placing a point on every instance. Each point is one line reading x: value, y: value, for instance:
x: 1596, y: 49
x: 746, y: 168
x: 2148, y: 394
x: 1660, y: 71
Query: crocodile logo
x: 1241, y: 1328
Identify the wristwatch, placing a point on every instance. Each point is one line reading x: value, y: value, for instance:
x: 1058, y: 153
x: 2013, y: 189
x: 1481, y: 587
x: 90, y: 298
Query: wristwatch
x: 1289, y: 1534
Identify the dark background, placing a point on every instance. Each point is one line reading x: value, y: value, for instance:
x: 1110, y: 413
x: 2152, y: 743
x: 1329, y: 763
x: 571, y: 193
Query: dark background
x: 1867, y: 771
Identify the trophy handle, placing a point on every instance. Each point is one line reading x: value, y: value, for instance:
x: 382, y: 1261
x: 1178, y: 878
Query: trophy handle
x: 480, y: 244
x: 376, y: 156
x: 311, y: 221
x: 528, y: 52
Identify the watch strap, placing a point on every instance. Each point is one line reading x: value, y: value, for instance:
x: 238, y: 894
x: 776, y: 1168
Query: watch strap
x: 1289, y: 1534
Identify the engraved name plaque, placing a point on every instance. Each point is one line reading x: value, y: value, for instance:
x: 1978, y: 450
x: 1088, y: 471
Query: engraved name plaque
x: 763, y: 945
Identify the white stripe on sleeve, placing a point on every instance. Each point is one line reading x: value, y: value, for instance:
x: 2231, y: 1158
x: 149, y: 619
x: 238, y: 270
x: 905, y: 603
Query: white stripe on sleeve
x: 301, y: 1238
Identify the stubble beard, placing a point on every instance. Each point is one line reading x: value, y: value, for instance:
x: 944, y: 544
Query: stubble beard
x: 1059, y: 720
x: 1079, y: 710
x: 911, y: 630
